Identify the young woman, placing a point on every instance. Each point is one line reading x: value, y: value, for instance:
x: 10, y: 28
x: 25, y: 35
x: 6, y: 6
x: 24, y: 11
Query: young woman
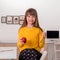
x: 30, y: 37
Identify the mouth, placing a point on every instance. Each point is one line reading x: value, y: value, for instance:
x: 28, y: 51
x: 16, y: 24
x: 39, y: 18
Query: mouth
x: 30, y: 20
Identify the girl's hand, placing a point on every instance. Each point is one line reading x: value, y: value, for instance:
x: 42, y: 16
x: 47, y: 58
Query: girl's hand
x: 44, y: 34
x: 23, y: 40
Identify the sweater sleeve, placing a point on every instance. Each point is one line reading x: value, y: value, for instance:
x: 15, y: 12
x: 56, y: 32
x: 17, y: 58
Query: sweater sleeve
x: 41, y: 39
x: 20, y: 35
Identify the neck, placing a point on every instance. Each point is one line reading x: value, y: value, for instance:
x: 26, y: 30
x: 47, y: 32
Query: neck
x: 29, y: 25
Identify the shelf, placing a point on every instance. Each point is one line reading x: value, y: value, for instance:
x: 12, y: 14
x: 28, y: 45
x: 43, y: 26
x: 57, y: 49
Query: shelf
x: 57, y: 58
x: 57, y: 51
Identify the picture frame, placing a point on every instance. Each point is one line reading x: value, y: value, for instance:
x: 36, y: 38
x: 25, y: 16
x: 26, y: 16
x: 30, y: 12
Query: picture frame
x: 9, y: 19
x: 15, y: 19
x: 22, y: 17
x: 3, y: 19
x: 21, y: 22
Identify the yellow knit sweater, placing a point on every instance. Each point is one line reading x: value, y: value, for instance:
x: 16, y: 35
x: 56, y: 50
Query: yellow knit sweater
x: 34, y: 38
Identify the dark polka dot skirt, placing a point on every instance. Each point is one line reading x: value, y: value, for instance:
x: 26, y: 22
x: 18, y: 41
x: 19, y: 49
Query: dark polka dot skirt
x: 30, y: 54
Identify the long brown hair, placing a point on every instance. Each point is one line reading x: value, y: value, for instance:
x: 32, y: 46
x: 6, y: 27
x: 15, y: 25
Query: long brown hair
x: 32, y: 12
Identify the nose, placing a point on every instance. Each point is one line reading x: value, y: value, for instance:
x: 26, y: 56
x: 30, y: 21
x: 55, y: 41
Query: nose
x: 31, y: 17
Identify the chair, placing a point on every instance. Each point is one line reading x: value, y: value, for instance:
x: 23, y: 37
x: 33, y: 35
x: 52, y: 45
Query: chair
x: 44, y: 54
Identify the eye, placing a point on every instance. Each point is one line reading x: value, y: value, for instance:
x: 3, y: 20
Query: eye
x: 28, y: 16
x: 33, y: 16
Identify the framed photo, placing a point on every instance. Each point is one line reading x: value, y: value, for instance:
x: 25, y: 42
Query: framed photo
x: 21, y: 22
x: 22, y: 17
x: 15, y: 19
x: 9, y: 20
x: 3, y: 19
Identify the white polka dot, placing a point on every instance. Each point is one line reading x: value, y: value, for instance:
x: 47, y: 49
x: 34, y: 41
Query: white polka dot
x: 31, y: 58
x: 28, y: 54
x: 32, y: 54
x: 24, y: 54
x: 35, y: 59
x: 36, y: 55
x: 23, y: 57
x: 32, y: 51
x: 27, y: 57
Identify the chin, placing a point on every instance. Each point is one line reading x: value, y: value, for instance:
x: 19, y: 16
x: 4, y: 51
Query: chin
x: 30, y: 23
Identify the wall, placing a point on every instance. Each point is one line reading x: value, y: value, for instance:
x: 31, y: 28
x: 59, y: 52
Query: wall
x: 48, y: 14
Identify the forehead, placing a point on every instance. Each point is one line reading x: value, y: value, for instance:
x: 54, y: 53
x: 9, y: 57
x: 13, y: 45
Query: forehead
x: 30, y: 14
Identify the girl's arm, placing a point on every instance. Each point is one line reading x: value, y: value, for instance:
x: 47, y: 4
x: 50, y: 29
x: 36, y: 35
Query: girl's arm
x: 19, y: 42
x: 41, y: 39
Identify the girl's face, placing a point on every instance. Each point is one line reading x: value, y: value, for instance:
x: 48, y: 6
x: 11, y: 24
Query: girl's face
x: 30, y: 19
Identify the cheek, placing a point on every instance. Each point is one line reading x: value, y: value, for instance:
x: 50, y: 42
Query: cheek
x: 34, y: 20
x: 27, y: 19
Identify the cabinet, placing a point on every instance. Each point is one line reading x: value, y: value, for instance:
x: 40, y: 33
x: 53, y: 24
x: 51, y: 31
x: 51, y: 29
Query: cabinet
x: 53, y: 49
x: 57, y: 50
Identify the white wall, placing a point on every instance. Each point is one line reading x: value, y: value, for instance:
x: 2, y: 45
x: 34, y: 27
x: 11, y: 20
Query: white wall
x: 48, y: 14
